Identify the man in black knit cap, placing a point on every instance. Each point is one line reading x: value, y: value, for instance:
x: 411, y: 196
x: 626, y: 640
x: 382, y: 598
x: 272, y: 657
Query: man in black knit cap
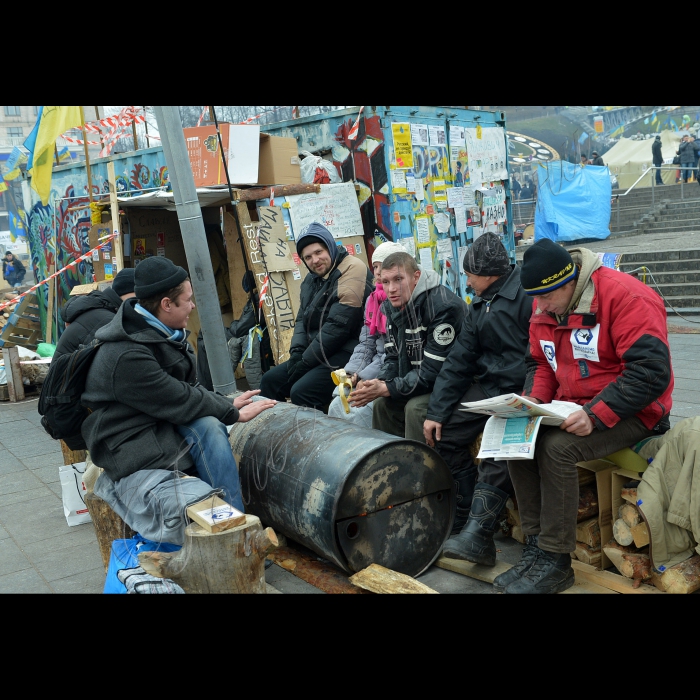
x: 148, y: 413
x: 488, y: 360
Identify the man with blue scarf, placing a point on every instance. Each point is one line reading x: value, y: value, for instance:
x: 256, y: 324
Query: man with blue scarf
x: 148, y: 413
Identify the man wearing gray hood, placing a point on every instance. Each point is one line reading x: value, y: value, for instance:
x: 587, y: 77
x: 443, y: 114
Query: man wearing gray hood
x: 423, y: 321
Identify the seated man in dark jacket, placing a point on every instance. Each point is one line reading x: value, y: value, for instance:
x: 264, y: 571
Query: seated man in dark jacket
x: 329, y: 321
x: 86, y: 313
x: 423, y: 320
x: 488, y: 360
x: 147, y: 410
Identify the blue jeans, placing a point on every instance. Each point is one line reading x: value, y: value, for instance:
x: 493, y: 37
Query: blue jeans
x: 687, y: 171
x: 213, y: 458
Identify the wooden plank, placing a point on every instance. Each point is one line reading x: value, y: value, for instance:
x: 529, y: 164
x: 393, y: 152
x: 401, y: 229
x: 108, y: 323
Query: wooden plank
x: 255, y: 193
x: 225, y: 516
x: 115, y: 222
x: 379, y: 579
x: 13, y: 373
x: 72, y: 456
x: 321, y: 575
x: 49, y: 309
x: 488, y: 574
x: 610, y: 580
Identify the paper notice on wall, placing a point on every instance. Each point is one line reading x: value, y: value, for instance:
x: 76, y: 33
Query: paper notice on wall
x: 487, y: 155
x: 473, y: 215
x: 461, y: 252
x: 403, y: 148
x: 419, y: 134
x: 455, y: 197
x: 335, y: 207
x: 439, y: 191
x: 444, y: 249
x: 437, y: 135
x: 410, y: 181
x: 426, y: 258
x: 476, y: 231
x: 456, y: 135
x: 409, y: 243
x: 492, y: 202
x: 108, y: 271
x: 442, y: 222
x: 398, y: 181
x: 468, y: 197
x: 420, y: 190
x: 460, y: 219
x: 422, y: 229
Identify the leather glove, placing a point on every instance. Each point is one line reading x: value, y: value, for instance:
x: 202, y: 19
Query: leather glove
x: 293, y: 361
x: 300, y: 369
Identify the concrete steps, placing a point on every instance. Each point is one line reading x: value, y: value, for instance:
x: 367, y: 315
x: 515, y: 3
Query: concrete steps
x: 675, y: 274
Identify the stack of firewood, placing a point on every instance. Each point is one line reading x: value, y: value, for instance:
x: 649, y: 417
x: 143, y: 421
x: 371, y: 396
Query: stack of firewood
x: 588, y: 538
x: 6, y: 313
x: 629, y: 551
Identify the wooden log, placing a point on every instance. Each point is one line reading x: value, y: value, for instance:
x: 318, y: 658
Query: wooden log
x: 379, y: 579
x: 517, y: 534
x: 630, y: 514
x: 681, y: 578
x: 622, y: 533
x: 640, y: 533
x: 320, y: 574
x: 72, y: 456
x: 636, y: 566
x: 614, y: 582
x: 13, y: 373
x: 587, y: 503
x: 614, y: 551
x: 254, y: 193
x: 585, y: 476
x: 588, y: 532
x: 629, y: 494
x: 108, y: 525
x: 231, y: 561
x: 588, y: 555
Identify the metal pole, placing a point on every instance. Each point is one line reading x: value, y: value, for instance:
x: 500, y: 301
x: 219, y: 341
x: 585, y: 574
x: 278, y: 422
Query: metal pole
x: 194, y: 238
x: 653, y: 185
x: 618, y: 213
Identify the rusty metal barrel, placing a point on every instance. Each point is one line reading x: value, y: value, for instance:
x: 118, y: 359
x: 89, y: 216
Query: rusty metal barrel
x: 352, y: 495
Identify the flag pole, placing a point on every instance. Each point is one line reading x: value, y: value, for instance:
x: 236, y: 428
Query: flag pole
x: 87, y: 156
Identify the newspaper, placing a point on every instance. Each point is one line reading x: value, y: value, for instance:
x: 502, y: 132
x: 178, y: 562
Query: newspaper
x: 511, y: 431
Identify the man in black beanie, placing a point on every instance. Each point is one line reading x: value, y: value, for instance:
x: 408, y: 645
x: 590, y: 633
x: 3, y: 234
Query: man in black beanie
x: 598, y: 338
x: 487, y: 360
x: 147, y: 410
x: 85, y: 313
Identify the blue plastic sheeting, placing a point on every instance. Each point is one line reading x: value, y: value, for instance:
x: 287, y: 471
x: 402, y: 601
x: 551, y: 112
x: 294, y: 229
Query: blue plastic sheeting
x: 573, y: 201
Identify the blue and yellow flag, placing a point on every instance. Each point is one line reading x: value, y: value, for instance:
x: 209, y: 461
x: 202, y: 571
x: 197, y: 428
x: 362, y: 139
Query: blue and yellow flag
x: 3, y: 186
x: 619, y: 131
x: 54, y: 121
x: 654, y: 118
x: 30, y: 141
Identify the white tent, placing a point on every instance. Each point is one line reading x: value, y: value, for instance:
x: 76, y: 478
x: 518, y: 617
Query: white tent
x: 629, y: 158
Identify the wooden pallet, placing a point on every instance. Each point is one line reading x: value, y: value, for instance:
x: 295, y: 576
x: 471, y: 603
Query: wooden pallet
x: 23, y: 327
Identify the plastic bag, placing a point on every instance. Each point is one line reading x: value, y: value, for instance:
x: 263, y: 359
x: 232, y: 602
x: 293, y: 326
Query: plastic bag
x: 316, y: 170
x: 45, y: 349
x: 73, y: 491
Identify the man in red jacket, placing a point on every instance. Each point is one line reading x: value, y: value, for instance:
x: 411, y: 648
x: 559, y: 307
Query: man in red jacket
x: 598, y: 338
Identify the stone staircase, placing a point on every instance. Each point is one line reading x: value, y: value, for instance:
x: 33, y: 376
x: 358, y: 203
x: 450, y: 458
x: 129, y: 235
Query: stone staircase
x: 674, y: 273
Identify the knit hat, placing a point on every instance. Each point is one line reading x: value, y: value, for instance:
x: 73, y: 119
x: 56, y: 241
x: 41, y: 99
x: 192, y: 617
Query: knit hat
x: 124, y: 281
x: 384, y: 250
x: 487, y: 256
x: 155, y: 275
x: 546, y: 266
x: 316, y: 233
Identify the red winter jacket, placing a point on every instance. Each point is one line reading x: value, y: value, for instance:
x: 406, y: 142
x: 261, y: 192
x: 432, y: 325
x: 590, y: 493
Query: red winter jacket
x: 610, y: 354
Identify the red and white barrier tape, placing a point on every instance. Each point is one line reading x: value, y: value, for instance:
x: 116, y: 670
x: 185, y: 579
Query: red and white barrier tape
x: 85, y: 256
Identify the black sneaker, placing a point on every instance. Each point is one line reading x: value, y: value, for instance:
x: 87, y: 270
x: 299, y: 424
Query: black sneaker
x: 527, y: 559
x: 551, y: 573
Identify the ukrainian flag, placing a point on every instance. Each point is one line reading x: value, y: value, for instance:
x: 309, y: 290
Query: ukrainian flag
x: 52, y: 123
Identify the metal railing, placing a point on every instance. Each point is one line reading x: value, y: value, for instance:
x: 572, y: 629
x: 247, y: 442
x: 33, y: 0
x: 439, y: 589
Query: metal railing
x: 650, y: 172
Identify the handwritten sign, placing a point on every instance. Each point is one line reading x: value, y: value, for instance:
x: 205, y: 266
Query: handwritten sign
x: 273, y: 240
x: 335, y: 207
x: 492, y: 202
x: 487, y: 155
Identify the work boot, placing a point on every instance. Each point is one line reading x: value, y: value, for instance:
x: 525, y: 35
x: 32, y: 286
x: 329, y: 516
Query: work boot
x: 465, y: 491
x: 475, y: 542
x: 527, y: 559
x: 551, y: 573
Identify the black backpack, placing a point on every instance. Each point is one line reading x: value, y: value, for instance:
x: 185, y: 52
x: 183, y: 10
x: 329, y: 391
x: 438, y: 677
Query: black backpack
x: 59, y: 403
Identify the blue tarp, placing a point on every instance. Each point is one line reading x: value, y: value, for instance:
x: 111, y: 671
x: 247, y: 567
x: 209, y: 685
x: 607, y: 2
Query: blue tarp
x: 573, y: 201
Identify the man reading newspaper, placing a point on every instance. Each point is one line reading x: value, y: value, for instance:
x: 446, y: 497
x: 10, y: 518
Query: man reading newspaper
x: 488, y: 359
x: 598, y: 338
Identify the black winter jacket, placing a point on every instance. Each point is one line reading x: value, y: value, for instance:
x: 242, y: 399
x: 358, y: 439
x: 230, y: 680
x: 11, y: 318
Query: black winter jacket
x: 86, y: 314
x: 140, y: 387
x: 331, y: 310
x: 420, y: 337
x: 686, y: 151
x: 490, y: 349
x: 657, y: 158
